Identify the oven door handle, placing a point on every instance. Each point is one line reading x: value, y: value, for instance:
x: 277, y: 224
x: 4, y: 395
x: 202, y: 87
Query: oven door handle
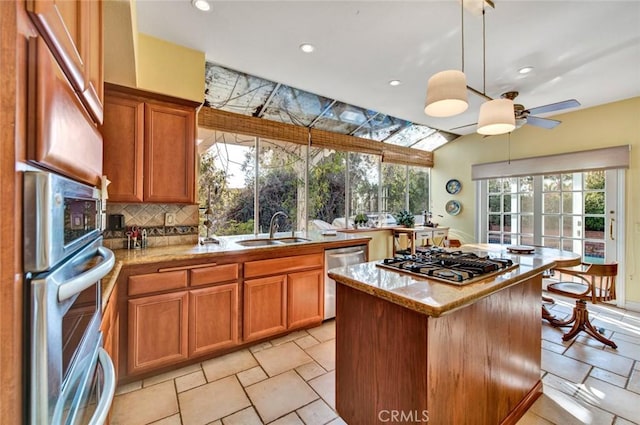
x: 108, y: 389
x: 84, y: 280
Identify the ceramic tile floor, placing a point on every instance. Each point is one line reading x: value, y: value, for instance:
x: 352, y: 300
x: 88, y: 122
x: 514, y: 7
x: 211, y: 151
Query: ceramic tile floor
x: 290, y: 380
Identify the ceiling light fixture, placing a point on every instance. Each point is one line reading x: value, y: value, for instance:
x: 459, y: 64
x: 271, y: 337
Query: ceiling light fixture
x: 395, y: 83
x: 525, y: 70
x: 307, y: 48
x: 497, y: 116
x: 447, y: 90
x: 202, y: 5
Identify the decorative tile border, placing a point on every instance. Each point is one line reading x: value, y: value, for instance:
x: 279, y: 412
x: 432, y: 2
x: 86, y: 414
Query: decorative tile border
x: 155, y: 231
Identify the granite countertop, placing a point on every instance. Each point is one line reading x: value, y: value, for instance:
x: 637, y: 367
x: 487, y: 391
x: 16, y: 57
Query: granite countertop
x: 228, y: 245
x: 435, y: 298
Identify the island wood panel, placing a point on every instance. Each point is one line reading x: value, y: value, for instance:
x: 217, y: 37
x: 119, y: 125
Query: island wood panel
x: 381, y: 358
x: 486, y: 357
x: 213, y: 318
x: 477, y: 365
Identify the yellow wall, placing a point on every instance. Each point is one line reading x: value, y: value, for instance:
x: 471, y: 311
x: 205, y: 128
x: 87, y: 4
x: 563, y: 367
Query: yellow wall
x: 170, y: 69
x: 138, y: 60
x: 613, y: 124
x: 120, y: 47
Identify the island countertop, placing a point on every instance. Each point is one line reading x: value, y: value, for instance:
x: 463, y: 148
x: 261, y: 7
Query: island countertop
x: 435, y: 298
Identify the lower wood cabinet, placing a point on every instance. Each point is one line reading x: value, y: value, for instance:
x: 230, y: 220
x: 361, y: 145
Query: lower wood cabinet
x: 157, y: 331
x: 265, y: 311
x: 305, y: 300
x: 213, y: 319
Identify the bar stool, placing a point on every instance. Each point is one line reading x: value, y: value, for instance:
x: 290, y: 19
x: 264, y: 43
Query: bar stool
x: 599, y: 285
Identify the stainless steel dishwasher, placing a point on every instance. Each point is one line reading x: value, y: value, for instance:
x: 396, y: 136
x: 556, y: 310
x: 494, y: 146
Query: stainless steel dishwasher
x: 339, y: 257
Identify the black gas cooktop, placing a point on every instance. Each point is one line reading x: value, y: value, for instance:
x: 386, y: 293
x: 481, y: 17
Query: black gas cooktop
x: 455, y: 267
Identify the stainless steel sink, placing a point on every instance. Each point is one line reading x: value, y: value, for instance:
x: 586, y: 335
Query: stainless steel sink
x: 271, y: 242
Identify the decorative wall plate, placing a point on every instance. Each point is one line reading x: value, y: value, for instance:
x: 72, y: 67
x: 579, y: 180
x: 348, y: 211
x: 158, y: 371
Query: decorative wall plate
x: 453, y: 186
x: 453, y: 207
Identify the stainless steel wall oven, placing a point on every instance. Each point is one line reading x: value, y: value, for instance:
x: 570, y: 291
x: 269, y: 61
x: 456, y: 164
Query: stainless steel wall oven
x: 71, y: 378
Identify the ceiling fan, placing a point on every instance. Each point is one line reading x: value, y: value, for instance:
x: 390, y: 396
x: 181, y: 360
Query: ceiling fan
x: 528, y: 116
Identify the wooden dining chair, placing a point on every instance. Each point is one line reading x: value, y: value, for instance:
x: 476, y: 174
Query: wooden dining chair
x: 597, y: 284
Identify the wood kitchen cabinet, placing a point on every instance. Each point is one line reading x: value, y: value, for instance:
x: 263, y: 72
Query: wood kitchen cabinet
x: 177, y: 314
x: 157, y: 331
x: 265, y: 311
x: 292, y: 297
x: 305, y: 298
x: 149, y: 146
x: 110, y: 329
x: 73, y: 30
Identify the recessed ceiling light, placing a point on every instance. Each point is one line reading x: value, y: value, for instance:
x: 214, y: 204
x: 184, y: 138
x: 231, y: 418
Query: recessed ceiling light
x: 395, y: 83
x: 307, y: 48
x: 201, y: 5
x: 525, y: 70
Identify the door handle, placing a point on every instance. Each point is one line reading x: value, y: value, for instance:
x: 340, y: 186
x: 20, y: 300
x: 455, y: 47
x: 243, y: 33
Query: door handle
x: 84, y: 280
x: 611, y: 229
x: 108, y: 389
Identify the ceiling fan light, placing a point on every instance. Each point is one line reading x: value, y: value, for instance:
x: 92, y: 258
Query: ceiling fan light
x: 496, y: 117
x: 446, y: 94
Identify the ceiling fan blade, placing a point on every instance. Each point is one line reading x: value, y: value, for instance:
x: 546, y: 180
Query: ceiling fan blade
x: 572, y: 103
x: 462, y: 126
x: 542, y: 122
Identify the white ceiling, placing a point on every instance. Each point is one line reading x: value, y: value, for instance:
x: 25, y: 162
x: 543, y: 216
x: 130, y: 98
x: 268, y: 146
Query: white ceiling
x: 581, y: 49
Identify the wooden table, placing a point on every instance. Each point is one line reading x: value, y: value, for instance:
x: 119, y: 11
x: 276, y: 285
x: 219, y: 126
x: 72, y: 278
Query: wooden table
x: 435, y: 236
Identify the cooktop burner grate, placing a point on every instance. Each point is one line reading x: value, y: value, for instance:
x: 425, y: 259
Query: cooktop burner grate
x: 456, y: 267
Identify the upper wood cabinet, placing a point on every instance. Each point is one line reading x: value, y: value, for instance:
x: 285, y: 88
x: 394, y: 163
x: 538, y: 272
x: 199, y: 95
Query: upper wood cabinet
x: 73, y: 31
x: 149, y: 146
x: 62, y: 135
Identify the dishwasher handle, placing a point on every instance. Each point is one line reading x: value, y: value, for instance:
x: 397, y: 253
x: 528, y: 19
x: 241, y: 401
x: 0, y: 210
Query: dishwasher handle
x: 346, y: 254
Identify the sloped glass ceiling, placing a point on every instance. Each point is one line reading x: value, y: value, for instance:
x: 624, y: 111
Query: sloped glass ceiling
x: 246, y: 94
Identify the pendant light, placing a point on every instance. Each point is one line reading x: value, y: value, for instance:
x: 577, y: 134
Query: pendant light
x: 496, y: 116
x: 447, y: 90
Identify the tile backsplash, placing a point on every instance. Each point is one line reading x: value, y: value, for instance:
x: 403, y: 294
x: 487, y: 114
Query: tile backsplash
x: 151, y: 217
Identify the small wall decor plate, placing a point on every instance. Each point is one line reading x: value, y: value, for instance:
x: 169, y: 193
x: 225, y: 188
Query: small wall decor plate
x: 521, y: 249
x: 453, y: 207
x: 453, y: 186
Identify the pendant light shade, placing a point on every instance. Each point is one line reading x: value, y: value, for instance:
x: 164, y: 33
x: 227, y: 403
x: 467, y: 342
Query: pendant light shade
x: 446, y: 94
x: 496, y: 117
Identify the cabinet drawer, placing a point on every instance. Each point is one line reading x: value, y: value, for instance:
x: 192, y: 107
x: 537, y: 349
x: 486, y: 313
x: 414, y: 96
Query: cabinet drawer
x: 440, y: 233
x: 282, y: 265
x: 214, y: 274
x: 157, y: 282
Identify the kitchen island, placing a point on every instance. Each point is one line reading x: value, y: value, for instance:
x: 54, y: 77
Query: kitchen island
x: 415, y: 350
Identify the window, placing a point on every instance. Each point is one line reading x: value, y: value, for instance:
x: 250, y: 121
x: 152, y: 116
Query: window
x: 327, y: 183
x: 510, y: 210
x: 281, y: 184
x: 565, y: 211
x: 249, y: 179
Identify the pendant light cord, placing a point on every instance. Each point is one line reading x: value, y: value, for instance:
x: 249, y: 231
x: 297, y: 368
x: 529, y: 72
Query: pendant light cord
x: 462, y: 38
x: 484, y: 62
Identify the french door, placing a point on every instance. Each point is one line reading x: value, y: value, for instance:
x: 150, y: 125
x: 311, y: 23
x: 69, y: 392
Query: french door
x: 570, y: 211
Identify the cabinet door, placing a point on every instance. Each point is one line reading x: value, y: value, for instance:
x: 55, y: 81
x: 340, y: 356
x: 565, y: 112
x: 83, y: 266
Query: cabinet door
x: 110, y: 329
x: 157, y: 331
x: 264, y: 307
x: 169, y: 154
x: 305, y: 300
x: 73, y: 31
x: 123, y: 134
x: 213, y: 318
x: 65, y: 139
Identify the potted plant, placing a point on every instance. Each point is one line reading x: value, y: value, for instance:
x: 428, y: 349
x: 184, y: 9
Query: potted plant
x: 405, y: 218
x: 360, y: 220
